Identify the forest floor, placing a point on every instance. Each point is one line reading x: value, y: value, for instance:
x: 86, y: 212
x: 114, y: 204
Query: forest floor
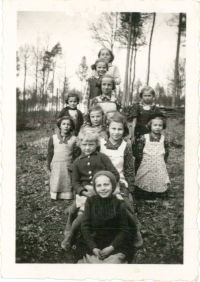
x: 40, y: 222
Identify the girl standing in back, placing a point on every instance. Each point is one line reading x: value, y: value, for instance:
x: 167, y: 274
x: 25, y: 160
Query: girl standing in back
x: 93, y: 83
x: 96, y: 119
x: 106, y: 101
x: 139, y: 117
x: 113, y: 70
x: 72, y: 101
x: 61, y: 153
x: 152, y: 178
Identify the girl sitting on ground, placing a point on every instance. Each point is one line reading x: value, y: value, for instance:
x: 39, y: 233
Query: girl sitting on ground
x: 152, y: 179
x: 61, y: 153
x: 105, y: 225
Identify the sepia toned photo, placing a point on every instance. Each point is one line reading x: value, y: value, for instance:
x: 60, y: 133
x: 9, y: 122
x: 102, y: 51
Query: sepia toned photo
x: 100, y: 95
x: 100, y: 140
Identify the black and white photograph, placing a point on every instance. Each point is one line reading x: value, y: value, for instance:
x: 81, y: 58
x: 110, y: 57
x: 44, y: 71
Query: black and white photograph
x: 100, y: 103
x: 100, y: 148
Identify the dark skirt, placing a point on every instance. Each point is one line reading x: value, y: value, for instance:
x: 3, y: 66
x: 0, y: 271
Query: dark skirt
x: 144, y: 195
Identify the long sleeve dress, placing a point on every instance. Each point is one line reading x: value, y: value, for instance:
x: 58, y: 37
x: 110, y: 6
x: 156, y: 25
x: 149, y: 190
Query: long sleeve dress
x: 142, y: 113
x: 105, y: 224
x: 61, y: 153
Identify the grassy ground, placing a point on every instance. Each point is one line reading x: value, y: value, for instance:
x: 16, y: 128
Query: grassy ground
x: 40, y: 222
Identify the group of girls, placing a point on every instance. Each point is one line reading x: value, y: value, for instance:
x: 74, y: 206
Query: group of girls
x: 97, y: 159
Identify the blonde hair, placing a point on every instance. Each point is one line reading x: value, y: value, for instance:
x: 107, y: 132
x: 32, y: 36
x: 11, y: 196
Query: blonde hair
x: 88, y: 134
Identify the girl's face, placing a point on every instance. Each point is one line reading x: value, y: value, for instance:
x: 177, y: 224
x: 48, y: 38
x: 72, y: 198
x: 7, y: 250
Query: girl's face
x: 65, y: 126
x: 156, y: 126
x: 103, y: 186
x: 72, y: 102
x: 101, y: 68
x: 147, y: 97
x: 105, y: 54
x: 96, y: 118
x: 88, y: 147
x: 116, y: 131
x: 106, y: 86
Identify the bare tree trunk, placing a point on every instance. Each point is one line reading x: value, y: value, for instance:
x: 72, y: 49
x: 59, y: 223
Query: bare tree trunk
x: 133, y: 79
x: 150, y: 41
x: 113, y: 35
x: 36, y: 86
x: 124, y: 98
x: 176, y: 61
x: 130, y: 74
x: 24, y: 90
x: 56, y: 102
x: 52, y: 92
x: 43, y: 88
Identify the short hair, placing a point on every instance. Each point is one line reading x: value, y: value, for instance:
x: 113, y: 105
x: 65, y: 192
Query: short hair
x: 100, y: 60
x: 147, y: 89
x: 95, y: 108
x: 112, y: 78
x: 72, y: 94
x: 117, y: 117
x: 89, y: 134
x: 111, y: 54
x: 66, y: 118
x: 159, y: 116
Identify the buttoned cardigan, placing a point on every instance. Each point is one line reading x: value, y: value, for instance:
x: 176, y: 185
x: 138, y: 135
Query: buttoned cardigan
x: 85, y: 167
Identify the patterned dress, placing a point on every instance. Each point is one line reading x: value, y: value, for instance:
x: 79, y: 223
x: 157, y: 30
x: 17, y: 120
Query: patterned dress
x: 142, y: 113
x: 152, y: 174
x: 107, y: 103
x: 60, y: 179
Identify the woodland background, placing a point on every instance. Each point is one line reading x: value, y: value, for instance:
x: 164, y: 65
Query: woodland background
x: 43, y: 81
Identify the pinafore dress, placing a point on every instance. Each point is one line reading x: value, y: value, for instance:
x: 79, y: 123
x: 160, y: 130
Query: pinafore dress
x: 60, y: 179
x: 117, y: 159
x: 152, y: 175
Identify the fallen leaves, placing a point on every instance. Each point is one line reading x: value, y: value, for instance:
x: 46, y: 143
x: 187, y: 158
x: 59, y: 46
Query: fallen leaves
x: 41, y: 222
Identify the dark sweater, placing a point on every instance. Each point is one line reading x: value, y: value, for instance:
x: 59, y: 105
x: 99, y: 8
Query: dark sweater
x: 85, y: 167
x: 95, y: 89
x: 142, y: 116
x: 79, y: 120
x: 105, y: 223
